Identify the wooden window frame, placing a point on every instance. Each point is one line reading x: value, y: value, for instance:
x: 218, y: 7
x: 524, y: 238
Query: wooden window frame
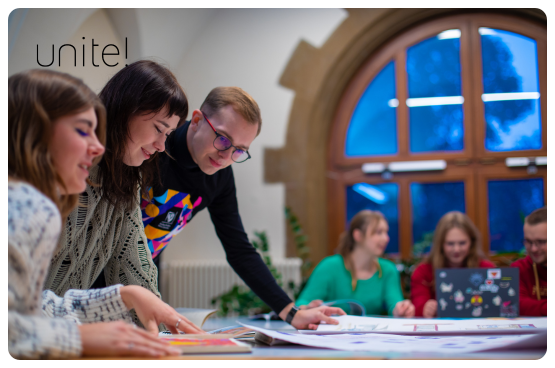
x: 473, y: 165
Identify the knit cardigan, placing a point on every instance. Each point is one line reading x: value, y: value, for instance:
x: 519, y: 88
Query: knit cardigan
x: 41, y: 324
x: 98, y: 236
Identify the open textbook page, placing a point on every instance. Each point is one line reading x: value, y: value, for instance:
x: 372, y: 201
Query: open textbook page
x: 356, y: 341
x: 420, y: 326
x: 196, y: 315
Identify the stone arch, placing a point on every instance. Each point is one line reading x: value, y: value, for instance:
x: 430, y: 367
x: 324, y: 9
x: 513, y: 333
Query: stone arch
x: 319, y: 77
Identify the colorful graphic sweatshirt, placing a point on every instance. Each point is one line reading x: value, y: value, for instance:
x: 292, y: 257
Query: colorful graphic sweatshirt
x: 185, y: 191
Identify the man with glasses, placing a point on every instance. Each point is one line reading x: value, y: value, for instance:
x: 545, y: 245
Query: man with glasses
x: 533, y: 268
x: 196, y: 174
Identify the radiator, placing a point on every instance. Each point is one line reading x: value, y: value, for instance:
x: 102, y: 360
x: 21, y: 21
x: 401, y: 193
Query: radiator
x: 193, y: 284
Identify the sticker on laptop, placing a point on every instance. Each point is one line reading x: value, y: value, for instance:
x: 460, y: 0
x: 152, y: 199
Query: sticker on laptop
x: 494, y: 273
x: 442, y: 304
x: 489, y: 287
x: 446, y: 288
x: 476, y: 279
x: 459, y: 297
x: 508, y: 310
x: 476, y: 300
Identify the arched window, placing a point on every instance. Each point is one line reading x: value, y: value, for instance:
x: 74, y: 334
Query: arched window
x: 449, y: 115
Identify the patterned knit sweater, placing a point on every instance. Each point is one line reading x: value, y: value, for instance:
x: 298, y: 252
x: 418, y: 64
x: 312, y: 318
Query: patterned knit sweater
x: 99, y: 236
x: 40, y: 324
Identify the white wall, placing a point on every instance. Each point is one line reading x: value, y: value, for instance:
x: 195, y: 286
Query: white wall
x: 205, y: 48
x: 249, y: 49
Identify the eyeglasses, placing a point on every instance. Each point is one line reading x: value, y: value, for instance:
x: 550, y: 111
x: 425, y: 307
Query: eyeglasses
x: 537, y: 242
x: 222, y: 143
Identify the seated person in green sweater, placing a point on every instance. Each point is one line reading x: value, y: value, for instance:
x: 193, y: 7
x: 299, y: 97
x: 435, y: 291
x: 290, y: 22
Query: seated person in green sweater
x: 358, y: 272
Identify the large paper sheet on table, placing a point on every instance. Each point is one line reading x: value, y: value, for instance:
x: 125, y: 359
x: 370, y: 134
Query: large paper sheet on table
x: 375, y: 342
x: 420, y: 326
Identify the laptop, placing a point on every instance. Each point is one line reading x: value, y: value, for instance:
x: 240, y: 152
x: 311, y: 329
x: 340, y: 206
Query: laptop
x: 477, y: 292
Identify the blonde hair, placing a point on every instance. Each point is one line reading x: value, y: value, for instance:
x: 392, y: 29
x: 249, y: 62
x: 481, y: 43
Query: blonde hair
x: 361, y: 221
x: 241, y: 101
x: 450, y: 220
x: 36, y: 99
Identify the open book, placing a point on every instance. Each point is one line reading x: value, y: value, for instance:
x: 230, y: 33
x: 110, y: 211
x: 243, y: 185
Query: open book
x: 196, y: 315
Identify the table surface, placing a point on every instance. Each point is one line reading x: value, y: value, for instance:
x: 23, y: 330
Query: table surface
x: 261, y: 351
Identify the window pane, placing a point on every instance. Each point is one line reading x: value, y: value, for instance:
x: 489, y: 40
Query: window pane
x: 436, y: 128
x: 373, y: 127
x: 506, y: 217
x: 511, y: 91
x: 435, y: 97
x: 434, y: 67
x: 376, y: 197
x: 430, y: 201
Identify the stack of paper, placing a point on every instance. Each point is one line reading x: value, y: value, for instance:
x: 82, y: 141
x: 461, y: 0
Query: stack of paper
x: 377, y: 342
x: 419, y: 335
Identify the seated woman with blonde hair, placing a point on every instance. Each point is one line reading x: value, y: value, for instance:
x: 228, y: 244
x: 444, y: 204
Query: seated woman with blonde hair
x: 358, y: 273
x: 456, y: 244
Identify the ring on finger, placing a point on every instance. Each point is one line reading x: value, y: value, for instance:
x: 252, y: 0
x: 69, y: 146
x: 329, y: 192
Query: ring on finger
x: 130, y: 346
x: 177, y: 324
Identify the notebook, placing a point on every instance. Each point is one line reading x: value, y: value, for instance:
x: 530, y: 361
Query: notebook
x: 204, y: 344
x: 477, y: 292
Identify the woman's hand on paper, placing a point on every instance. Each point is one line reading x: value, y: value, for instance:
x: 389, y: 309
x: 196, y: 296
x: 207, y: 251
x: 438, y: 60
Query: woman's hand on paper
x: 121, y: 339
x: 152, y: 311
x: 430, y: 309
x: 404, y: 308
x: 311, y: 318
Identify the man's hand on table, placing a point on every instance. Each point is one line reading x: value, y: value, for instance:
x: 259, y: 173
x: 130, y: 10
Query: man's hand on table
x: 312, y: 304
x: 309, y: 319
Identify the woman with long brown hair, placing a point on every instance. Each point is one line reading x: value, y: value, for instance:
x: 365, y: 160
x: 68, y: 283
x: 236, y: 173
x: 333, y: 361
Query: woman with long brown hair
x: 104, y: 236
x: 358, y: 272
x: 56, y: 130
x: 457, y: 243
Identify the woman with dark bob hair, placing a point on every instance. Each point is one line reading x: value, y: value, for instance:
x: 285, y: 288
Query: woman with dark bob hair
x: 144, y: 104
x: 56, y: 130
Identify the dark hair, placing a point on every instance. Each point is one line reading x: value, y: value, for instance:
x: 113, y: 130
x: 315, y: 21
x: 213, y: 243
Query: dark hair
x: 143, y: 87
x: 241, y: 101
x: 36, y: 99
x: 537, y: 217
